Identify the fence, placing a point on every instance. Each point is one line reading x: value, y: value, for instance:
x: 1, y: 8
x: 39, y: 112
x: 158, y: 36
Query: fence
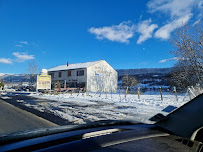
x: 192, y: 92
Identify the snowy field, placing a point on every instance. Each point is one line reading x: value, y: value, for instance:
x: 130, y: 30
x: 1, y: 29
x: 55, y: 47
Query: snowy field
x: 81, y: 108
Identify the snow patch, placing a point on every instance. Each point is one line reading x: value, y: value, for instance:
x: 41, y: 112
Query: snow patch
x: 81, y: 108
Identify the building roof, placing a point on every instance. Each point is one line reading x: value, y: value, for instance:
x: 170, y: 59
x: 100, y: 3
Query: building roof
x: 74, y: 66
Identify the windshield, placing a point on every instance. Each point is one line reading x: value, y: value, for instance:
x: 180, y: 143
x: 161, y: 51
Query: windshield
x: 66, y: 63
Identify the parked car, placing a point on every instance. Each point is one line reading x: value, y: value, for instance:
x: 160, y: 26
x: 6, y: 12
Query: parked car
x: 9, y: 90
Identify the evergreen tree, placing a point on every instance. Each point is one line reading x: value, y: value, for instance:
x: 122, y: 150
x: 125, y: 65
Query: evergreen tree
x: 58, y: 85
x: 2, y: 84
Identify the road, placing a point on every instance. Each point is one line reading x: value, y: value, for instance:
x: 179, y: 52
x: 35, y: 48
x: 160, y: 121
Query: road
x: 13, y: 119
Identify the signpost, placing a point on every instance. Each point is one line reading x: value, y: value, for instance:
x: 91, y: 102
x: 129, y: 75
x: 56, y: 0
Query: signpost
x: 160, y: 89
x: 65, y: 85
x: 44, y: 82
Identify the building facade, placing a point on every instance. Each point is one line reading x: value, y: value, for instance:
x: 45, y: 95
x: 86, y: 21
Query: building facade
x: 93, y: 76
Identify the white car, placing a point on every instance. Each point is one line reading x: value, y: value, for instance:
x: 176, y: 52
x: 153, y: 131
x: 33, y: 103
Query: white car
x: 9, y: 90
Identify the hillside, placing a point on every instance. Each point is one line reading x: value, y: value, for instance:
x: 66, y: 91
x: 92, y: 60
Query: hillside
x: 148, y: 78
x: 15, y: 77
x: 122, y: 72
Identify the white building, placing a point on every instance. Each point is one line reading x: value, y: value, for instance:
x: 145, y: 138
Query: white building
x: 94, y: 76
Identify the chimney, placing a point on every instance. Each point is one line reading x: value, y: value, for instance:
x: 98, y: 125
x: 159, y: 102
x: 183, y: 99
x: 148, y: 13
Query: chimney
x: 67, y: 63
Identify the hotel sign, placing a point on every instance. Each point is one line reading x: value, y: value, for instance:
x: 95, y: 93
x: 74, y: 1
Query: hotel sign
x: 44, y: 82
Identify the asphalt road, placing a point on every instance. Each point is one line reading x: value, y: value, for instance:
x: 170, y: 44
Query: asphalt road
x: 13, y: 119
x: 13, y: 98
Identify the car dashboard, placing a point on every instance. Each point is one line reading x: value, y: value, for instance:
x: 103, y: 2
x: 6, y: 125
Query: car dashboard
x: 139, y: 137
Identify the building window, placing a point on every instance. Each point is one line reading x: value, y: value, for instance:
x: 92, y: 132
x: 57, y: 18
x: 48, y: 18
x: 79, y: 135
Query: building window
x: 59, y: 74
x: 69, y: 73
x: 52, y: 75
x: 80, y: 73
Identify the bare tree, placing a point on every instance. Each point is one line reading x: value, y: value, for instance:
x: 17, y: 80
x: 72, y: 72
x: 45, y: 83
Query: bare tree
x: 188, y: 50
x: 33, y: 69
x: 128, y: 82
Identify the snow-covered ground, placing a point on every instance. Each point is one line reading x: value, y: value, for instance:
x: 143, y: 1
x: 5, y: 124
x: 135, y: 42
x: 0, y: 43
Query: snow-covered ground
x: 80, y: 108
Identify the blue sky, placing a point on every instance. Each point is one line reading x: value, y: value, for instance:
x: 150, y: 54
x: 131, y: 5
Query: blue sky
x: 125, y: 33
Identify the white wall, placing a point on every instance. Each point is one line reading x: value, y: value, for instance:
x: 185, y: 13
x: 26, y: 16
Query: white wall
x: 101, y: 77
x: 98, y: 77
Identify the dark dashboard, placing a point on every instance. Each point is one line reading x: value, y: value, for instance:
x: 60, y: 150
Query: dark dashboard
x: 137, y: 137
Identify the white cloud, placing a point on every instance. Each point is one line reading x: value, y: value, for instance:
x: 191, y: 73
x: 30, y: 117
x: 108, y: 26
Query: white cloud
x: 164, y: 31
x: 21, y: 57
x: 24, y: 42
x: 196, y: 22
x: 200, y: 7
x: 119, y: 33
x: 146, y: 30
x: 175, y: 8
x: 200, y: 15
x: 19, y: 45
x: 180, y: 12
x: 5, y: 60
x: 200, y: 4
x: 171, y: 59
x: 124, y: 31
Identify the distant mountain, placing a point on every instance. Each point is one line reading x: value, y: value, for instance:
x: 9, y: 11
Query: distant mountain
x: 122, y: 72
x: 1, y: 74
x: 16, y: 77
